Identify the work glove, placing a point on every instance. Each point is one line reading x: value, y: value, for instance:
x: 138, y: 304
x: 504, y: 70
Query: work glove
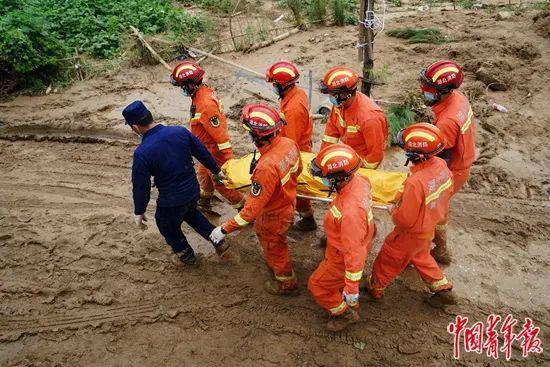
x: 139, y: 219
x: 217, y: 235
x: 351, y: 299
x: 219, y: 177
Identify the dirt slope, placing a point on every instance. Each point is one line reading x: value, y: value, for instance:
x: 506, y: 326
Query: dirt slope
x: 79, y: 286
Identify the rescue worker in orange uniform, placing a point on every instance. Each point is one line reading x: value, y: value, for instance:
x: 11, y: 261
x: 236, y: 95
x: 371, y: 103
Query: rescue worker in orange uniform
x: 349, y: 228
x: 354, y: 119
x: 272, y: 198
x: 208, y: 123
x: 454, y: 117
x: 423, y: 203
x: 299, y: 124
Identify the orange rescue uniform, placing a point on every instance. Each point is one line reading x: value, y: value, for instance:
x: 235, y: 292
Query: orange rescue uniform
x: 362, y: 126
x: 299, y: 128
x: 455, y: 119
x: 208, y: 123
x: 271, y: 203
x: 423, y: 204
x: 349, y: 228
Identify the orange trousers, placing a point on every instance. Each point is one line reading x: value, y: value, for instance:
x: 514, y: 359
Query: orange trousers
x: 208, y: 186
x: 326, y: 285
x: 304, y: 207
x: 397, y: 252
x: 272, y: 228
x: 460, y: 178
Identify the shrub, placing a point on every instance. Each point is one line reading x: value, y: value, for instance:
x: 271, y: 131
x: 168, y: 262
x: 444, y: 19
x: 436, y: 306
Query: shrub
x: 399, y: 117
x: 37, y: 35
x: 345, y: 12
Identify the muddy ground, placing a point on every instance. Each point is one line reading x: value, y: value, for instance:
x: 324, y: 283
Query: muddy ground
x: 81, y: 286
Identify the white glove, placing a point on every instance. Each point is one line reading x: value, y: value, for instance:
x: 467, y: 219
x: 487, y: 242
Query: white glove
x: 389, y: 208
x: 219, y: 177
x: 139, y: 219
x: 351, y: 299
x: 217, y: 235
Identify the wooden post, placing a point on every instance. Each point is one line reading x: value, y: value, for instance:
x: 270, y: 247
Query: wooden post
x: 368, y: 59
x: 362, y: 33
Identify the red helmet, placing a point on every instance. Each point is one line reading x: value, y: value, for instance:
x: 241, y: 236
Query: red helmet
x: 339, y: 80
x: 421, y: 141
x: 441, y: 76
x: 283, y: 73
x: 336, y: 161
x: 261, y: 120
x: 186, y: 72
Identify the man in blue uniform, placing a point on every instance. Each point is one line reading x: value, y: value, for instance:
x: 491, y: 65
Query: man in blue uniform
x: 166, y: 153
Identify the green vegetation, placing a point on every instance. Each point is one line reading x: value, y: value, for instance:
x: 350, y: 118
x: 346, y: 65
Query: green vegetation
x: 38, y: 37
x: 343, y: 11
x: 419, y: 35
x: 399, y: 117
x: 222, y: 6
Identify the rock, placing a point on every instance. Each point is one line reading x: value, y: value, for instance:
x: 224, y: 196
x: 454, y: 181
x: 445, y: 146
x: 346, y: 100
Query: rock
x: 490, y: 79
x: 503, y: 15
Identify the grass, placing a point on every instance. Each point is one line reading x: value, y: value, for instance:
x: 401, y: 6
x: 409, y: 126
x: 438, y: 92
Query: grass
x: 419, y: 35
x: 220, y: 6
x: 399, y: 117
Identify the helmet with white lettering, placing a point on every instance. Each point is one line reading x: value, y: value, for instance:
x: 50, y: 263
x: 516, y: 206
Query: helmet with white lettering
x: 421, y: 141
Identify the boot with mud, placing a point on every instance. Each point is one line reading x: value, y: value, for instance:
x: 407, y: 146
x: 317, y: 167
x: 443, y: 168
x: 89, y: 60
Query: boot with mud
x: 223, y: 250
x: 373, y: 293
x: 205, y: 202
x: 185, y: 258
x: 282, y: 288
x: 442, y: 298
x: 306, y: 224
x: 440, y: 252
x: 340, y: 322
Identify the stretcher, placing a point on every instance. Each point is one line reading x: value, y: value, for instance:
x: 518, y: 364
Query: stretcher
x: 385, y: 184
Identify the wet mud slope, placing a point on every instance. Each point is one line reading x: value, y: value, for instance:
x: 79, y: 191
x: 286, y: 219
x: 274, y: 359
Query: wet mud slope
x: 80, y: 286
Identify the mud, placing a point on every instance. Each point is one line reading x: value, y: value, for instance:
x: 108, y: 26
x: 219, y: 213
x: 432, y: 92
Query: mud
x: 80, y: 286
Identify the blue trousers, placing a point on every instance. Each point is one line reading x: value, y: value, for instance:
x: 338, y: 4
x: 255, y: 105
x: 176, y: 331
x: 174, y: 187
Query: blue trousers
x: 169, y: 220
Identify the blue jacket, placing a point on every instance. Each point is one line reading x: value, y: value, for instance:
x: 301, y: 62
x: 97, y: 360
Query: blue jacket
x: 166, y: 153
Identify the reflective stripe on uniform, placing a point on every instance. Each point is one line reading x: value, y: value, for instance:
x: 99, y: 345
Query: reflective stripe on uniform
x: 338, y: 309
x: 468, y: 122
x: 434, y: 195
x: 294, y: 169
x: 330, y: 139
x: 225, y: 145
x: 437, y: 284
x: 335, y: 212
x: 441, y: 227
x: 340, y: 118
x: 354, y: 277
x: 196, y: 117
x: 240, y: 221
x: 370, y: 216
x: 352, y: 129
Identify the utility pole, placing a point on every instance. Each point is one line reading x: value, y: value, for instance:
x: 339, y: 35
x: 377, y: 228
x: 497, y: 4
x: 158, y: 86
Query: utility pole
x: 366, y: 36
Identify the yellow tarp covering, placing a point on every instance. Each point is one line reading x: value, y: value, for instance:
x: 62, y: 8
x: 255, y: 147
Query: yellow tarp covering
x: 385, y: 184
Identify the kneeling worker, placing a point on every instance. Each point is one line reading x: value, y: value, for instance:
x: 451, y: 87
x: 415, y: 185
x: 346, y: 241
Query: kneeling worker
x: 272, y: 198
x: 166, y: 153
x: 423, y: 204
x: 349, y: 227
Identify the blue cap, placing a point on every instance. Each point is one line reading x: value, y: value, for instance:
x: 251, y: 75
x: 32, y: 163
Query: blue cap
x: 135, y: 112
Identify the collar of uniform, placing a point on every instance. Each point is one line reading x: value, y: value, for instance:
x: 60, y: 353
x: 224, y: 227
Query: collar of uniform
x: 348, y: 188
x: 267, y: 148
x: 289, y: 95
x: 420, y: 166
x: 203, y: 89
x: 153, y: 131
x: 439, y: 107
